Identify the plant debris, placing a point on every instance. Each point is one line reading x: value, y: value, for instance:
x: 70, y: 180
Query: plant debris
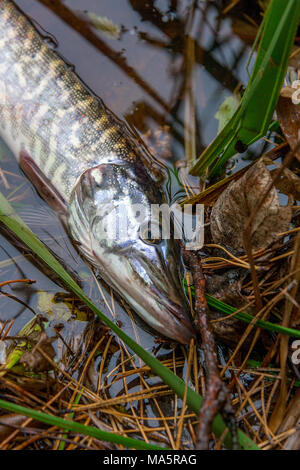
x: 89, y: 375
x: 37, y: 359
x: 105, y: 25
x: 234, y: 206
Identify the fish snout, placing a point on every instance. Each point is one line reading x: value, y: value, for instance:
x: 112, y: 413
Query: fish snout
x: 177, y: 322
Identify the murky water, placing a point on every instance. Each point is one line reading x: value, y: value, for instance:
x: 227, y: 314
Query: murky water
x: 141, y: 78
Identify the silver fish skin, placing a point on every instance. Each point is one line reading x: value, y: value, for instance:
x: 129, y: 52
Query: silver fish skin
x: 82, y: 161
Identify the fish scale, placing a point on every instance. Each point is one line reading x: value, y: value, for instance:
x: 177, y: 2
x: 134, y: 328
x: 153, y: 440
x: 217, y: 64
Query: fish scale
x: 57, y: 101
x: 84, y: 164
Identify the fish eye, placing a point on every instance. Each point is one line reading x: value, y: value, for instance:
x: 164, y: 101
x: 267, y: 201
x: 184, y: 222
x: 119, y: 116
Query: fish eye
x: 152, y: 237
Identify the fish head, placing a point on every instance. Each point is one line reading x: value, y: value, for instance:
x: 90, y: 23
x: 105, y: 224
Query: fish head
x: 111, y: 219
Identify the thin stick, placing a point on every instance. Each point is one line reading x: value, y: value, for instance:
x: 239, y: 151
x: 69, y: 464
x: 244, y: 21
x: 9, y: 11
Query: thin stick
x: 217, y: 397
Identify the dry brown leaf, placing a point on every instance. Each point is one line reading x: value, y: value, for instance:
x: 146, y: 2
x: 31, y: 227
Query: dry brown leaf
x: 36, y: 361
x: 289, y: 117
x: 289, y: 183
x: 232, y: 209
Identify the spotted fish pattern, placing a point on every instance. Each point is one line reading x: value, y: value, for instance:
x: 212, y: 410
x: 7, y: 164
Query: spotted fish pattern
x: 76, y: 153
x: 46, y: 110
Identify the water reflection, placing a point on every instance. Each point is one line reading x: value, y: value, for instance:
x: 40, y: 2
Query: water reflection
x: 141, y: 77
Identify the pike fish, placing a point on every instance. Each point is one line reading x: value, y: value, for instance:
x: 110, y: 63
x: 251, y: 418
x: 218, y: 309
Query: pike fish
x: 84, y: 164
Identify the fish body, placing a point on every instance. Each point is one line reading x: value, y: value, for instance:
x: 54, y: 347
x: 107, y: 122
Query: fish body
x: 83, y: 162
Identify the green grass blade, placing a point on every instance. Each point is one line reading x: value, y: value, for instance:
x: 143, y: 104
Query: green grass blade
x: 72, y: 426
x: 62, y: 444
x: 251, y: 363
x: 247, y: 318
x: 252, y: 119
x: 267, y: 77
x: 193, y: 399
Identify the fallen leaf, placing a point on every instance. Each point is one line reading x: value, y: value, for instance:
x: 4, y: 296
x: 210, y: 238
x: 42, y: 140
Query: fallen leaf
x: 289, y: 117
x: 233, y: 208
x: 59, y: 310
x: 289, y: 183
x: 35, y: 360
x: 32, y: 330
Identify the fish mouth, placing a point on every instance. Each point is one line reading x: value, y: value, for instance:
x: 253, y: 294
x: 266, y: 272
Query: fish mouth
x: 178, y: 324
x: 141, y: 274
